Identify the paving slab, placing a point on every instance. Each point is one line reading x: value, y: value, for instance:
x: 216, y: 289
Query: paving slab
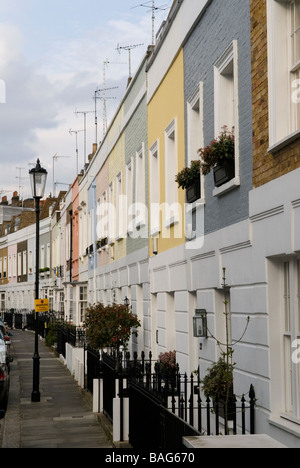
x: 62, y: 419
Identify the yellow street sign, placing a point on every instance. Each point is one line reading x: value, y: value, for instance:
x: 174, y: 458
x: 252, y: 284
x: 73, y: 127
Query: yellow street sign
x: 42, y: 305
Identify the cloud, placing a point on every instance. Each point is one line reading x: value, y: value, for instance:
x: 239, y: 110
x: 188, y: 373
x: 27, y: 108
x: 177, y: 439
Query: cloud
x: 42, y: 94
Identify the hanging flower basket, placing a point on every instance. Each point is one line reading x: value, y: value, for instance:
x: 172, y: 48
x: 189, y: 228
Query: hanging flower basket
x: 219, y: 156
x: 224, y: 172
x: 189, y: 179
x: 193, y: 192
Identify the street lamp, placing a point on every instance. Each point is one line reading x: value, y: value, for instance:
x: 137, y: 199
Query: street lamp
x: 200, y: 323
x: 38, y: 178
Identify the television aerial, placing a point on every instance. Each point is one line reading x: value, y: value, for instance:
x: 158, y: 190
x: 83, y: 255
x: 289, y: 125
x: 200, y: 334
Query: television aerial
x: 129, y: 49
x: 154, y: 9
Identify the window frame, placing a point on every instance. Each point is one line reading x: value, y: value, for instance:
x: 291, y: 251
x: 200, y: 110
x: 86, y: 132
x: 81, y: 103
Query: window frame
x: 283, y: 116
x: 228, y: 59
x: 290, y: 329
x: 154, y: 177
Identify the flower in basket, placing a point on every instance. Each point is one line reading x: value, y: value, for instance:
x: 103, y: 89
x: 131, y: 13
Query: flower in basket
x: 188, y: 175
x: 220, y: 149
x: 167, y: 363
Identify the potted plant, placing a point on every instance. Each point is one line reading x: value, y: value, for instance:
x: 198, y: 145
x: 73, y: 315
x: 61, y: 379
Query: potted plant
x: 110, y: 326
x: 189, y: 179
x: 219, y: 156
x: 218, y: 385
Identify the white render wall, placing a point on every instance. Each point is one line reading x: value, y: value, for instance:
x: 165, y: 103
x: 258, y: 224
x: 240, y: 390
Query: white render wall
x: 181, y: 280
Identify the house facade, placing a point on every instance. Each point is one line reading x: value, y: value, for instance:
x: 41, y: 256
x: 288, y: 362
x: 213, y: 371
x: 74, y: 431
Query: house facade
x: 274, y: 207
x: 125, y: 230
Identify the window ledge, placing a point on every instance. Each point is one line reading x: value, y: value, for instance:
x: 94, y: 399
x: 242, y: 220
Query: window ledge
x: 231, y: 185
x: 284, y: 142
x: 286, y: 425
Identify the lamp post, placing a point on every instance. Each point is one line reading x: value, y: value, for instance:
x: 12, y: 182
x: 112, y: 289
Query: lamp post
x: 38, y: 178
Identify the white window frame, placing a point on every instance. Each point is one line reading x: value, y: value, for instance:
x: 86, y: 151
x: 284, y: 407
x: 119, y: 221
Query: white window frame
x: 19, y: 263
x: 195, y: 134
x: 171, y: 169
x: 48, y: 256
x: 30, y: 262
x: 83, y: 302
x: 140, y: 187
x: 195, y: 129
x: 291, y: 333
x: 42, y: 260
x: 154, y: 178
x: 119, y: 208
x: 129, y: 195
x: 283, y: 74
x: 10, y: 269
x: 225, y: 90
x: 24, y: 262
x: 112, y: 214
x: 14, y: 265
x: 5, y: 267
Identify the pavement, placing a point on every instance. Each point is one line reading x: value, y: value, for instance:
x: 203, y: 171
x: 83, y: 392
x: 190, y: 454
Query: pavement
x: 62, y: 419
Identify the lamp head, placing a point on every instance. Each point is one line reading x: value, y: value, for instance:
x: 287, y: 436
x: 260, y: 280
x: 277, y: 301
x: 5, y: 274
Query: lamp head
x: 38, y: 179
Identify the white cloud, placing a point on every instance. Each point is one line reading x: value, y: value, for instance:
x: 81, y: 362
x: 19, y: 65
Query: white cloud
x: 43, y: 93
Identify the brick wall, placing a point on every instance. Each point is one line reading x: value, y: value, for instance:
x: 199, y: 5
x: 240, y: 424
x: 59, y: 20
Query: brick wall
x: 266, y: 166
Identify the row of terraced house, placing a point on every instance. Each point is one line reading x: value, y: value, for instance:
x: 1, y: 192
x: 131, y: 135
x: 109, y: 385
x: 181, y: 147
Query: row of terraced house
x: 124, y: 229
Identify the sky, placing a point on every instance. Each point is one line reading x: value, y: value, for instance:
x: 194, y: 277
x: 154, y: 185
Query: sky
x: 53, y: 54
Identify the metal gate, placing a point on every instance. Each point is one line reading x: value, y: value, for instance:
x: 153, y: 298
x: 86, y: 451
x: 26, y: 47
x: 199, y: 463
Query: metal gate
x: 151, y: 425
x: 109, y: 384
x: 93, y: 367
x: 19, y: 321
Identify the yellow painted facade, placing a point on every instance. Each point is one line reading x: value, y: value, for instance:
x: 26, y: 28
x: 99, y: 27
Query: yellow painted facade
x: 166, y: 109
x: 116, y: 175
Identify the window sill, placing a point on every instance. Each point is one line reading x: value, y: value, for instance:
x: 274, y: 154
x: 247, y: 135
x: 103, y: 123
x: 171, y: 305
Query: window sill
x: 231, y: 185
x: 286, y: 424
x: 284, y: 142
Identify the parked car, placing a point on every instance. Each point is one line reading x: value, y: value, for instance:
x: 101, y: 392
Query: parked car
x: 5, y: 356
x: 4, y: 375
x: 6, y: 334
